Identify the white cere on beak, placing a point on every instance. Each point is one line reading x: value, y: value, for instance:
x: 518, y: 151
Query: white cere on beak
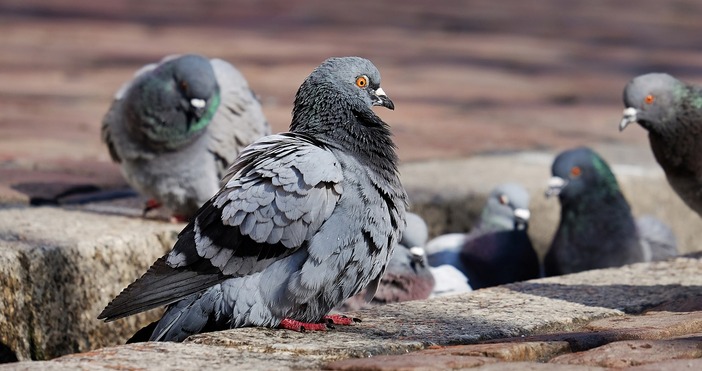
x: 523, y: 214
x: 197, y: 103
x: 381, y: 92
x: 628, y: 116
x: 555, y: 184
x: 417, y: 251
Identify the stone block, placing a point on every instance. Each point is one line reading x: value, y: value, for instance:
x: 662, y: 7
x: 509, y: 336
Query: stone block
x: 60, y: 268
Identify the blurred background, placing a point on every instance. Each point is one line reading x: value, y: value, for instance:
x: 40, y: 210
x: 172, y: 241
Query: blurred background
x: 467, y: 77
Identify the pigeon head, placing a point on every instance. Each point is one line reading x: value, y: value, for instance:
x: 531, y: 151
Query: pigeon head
x: 580, y: 172
x: 174, y: 103
x: 340, y: 88
x: 507, y: 208
x: 652, y: 101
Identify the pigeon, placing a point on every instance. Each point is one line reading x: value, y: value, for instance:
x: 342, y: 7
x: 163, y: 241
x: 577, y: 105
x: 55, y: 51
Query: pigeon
x: 177, y: 126
x: 407, y: 276
x: 671, y: 111
x: 597, y: 228
x: 498, y: 249
x: 305, y: 220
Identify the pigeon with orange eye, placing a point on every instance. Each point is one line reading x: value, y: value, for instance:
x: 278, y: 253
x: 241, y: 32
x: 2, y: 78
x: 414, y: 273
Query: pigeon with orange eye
x: 597, y: 228
x: 671, y: 111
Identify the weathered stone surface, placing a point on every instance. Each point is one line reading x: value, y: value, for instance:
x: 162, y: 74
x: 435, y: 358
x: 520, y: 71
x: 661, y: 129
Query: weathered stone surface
x: 172, y: 356
x: 671, y: 365
x: 650, y: 326
x: 60, y: 268
x: 414, y: 361
x: 533, y: 366
x: 635, y: 352
x: 538, y: 308
x: 510, y: 352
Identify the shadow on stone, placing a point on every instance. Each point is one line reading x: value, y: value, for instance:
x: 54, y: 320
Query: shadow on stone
x: 7, y: 355
x: 630, y: 299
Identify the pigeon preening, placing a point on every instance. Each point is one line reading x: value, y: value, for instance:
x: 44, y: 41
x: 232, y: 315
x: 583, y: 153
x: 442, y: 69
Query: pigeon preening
x: 498, y: 249
x: 597, y: 228
x: 671, y: 111
x: 176, y: 127
x: 407, y: 276
x: 305, y: 220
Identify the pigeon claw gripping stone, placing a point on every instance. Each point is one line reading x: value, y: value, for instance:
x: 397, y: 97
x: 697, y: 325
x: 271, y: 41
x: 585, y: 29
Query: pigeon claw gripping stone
x: 330, y: 320
x: 291, y: 324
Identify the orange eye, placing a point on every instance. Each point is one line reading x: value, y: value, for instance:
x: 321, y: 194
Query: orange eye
x: 649, y: 99
x: 575, y: 171
x: 504, y: 199
x: 362, y: 81
x: 184, y: 85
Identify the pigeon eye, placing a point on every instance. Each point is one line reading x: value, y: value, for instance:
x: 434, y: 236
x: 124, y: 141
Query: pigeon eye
x: 184, y: 86
x: 575, y: 171
x: 504, y: 199
x: 362, y: 81
x: 649, y: 99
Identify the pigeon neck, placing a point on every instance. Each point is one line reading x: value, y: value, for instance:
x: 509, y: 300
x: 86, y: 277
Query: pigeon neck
x: 358, y: 132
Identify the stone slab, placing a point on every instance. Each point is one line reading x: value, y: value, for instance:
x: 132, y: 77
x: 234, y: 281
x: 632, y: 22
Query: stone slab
x: 538, y: 307
x: 60, y: 268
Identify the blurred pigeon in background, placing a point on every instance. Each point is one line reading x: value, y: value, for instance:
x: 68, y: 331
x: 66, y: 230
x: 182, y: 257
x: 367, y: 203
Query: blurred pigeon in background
x: 407, y: 276
x: 498, y: 249
x: 305, y: 220
x: 671, y: 111
x: 178, y: 125
x: 597, y: 229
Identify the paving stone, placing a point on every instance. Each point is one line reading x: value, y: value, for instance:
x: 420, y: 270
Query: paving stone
x: 650, y: 326
x: 671, y: 365
x: 510, y: 351
x: 534, y: 366
x: 60, y: 268
x: 414, y: 361
x: 634, y: 352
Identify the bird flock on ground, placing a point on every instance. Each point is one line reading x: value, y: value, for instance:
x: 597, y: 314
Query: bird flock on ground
x: 291, y: 230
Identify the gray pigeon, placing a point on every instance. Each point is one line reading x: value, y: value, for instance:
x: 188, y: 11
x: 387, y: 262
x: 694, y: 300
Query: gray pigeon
x: 305, y: 220
x: 671, y: 111
x: 498, y: 249
x: 597, y: 229
x: 407, y: 276
x: 178, y: 125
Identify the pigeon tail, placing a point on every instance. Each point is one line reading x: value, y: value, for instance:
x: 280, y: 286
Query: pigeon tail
x: 160, y: 285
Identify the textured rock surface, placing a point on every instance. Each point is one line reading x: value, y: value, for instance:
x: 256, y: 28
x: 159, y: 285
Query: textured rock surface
x: 541, y: 319
x: 59, y: 268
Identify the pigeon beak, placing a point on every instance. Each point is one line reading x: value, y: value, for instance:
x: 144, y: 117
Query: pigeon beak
x: 381, y: 99
x: 418, y: 254
x: 555, y: 185
x: 522, y: 214
x: 198, y: 103
x: 521, y: 218
x: 628, y: 117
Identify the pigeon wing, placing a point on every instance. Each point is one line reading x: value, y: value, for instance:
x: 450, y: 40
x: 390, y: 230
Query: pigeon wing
x: 276, y: 197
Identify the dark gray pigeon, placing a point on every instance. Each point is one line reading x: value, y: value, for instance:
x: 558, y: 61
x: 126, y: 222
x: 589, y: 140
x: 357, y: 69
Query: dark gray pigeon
x: 597, y: 229
x: 498, y: 249
x: 306, y: 219
x: 178, y: 125
x: 671, y: 111
x: 407, y: 276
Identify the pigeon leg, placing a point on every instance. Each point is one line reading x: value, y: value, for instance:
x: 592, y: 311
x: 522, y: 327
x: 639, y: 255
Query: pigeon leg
x: 150, y: 205
x: 340, y: 319
x: 291, y: 324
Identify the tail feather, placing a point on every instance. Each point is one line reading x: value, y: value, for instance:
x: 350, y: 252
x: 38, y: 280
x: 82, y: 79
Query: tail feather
x: 160, y: 285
